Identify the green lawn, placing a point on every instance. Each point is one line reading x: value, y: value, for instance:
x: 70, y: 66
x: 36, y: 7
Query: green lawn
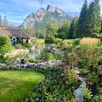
x: 14, y: 85
x: 41, y: 41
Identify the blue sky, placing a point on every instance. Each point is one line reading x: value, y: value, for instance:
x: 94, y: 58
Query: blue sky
x: 17, y: 10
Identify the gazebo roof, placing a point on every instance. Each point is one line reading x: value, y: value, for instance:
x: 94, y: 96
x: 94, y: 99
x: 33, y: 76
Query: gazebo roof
x: 12, y: 32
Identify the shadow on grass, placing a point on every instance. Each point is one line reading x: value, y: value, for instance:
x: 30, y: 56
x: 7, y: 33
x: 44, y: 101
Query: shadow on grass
x: 13, y: 90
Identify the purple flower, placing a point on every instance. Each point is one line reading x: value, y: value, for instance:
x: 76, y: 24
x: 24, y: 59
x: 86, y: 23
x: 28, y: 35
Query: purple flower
x: 37, y: 99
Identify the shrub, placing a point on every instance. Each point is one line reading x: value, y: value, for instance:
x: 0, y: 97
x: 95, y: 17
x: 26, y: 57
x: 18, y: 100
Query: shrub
x: 41, y: 41
x: 71, y: 77
x: 58, y: 42
x: 5, y: 45
x: 97, y: 98
x: 51, y: 56
x: 28, y: 45
x: 47, y: 56
x: 88, y: 55
x: 2, y: 59
x: 18, y: 46
x: 86, y: 93
x: 31, y: 60
x: 84, y: 71
x: 49, y: 40
x: 62, y: 35
x: 99, y: 91
x: 67, y: 43
x: 76, y: 41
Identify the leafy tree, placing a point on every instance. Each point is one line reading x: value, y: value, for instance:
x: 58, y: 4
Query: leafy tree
x: 51, y: 32
x: 63, y: 31
x: 40, y: 33
x: 51, y: 29
x: 82, y: 30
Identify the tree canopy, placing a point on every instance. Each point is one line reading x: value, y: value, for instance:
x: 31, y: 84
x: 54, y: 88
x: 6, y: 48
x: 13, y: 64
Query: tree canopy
x: 89, y: 21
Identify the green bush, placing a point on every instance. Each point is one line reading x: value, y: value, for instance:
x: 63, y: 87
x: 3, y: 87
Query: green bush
x: 28, y: 45
x: 97, y: 98
x: 84, y: 71
x: 99, y: 90
x: 5, y: 45
x: 18, y: 46
x: 67, y: 43
x: 88, y: 56
x: 58, y: 42
x: 50, y: 40
x: 47, y: 56
x: 2, y: 59
x: 63, y: 35
x: 31, y: 60
x: 51, y: 56
x: 87, y: 94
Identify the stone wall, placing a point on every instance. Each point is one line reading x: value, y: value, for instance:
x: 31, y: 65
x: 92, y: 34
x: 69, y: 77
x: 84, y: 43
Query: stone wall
x: 43, y: 65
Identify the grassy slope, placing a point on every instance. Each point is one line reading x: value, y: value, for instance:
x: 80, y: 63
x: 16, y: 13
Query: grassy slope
x: 14, y: 85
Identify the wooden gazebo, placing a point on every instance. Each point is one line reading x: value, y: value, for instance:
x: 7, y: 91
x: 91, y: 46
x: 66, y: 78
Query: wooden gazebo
x: 16, y: 35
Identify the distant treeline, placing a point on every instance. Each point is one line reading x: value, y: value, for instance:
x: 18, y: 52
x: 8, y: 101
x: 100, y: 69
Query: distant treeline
x: 88, y: 24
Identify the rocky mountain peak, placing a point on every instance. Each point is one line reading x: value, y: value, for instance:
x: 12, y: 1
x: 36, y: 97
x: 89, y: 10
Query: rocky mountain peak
x: 40, y: 12
x: 51, y: 8
x: 55, y: 9
x: 43, y: 17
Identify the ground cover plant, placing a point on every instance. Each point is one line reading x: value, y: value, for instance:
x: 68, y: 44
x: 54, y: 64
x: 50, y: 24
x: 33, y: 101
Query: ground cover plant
x: 53, y: 88
x: 15, y: 85
x: 60, y: 84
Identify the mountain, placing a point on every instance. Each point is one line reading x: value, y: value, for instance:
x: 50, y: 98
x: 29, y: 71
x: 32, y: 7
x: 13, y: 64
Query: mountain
x: 42, y: 17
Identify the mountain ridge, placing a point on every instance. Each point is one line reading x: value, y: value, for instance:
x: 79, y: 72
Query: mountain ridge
x: 43, y: 17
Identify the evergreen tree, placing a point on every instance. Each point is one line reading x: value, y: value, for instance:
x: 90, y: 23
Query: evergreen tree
x: 93, y: 18
x: 73, y: 28
x: 5, y: 22
x: 0, y: 21
x: 101, y: 24
x: 82, y: 31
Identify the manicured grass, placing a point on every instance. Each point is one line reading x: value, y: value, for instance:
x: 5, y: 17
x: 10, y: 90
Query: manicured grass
x: 41, y: 41
x: 14, y: 85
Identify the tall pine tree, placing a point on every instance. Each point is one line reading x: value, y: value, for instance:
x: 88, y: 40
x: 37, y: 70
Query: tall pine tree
x: 0, y: 20
x: 5, y: 21
x: 101, y: 24
x: 93, y: 18
x: 82, y: 31
x: 73, y: 28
